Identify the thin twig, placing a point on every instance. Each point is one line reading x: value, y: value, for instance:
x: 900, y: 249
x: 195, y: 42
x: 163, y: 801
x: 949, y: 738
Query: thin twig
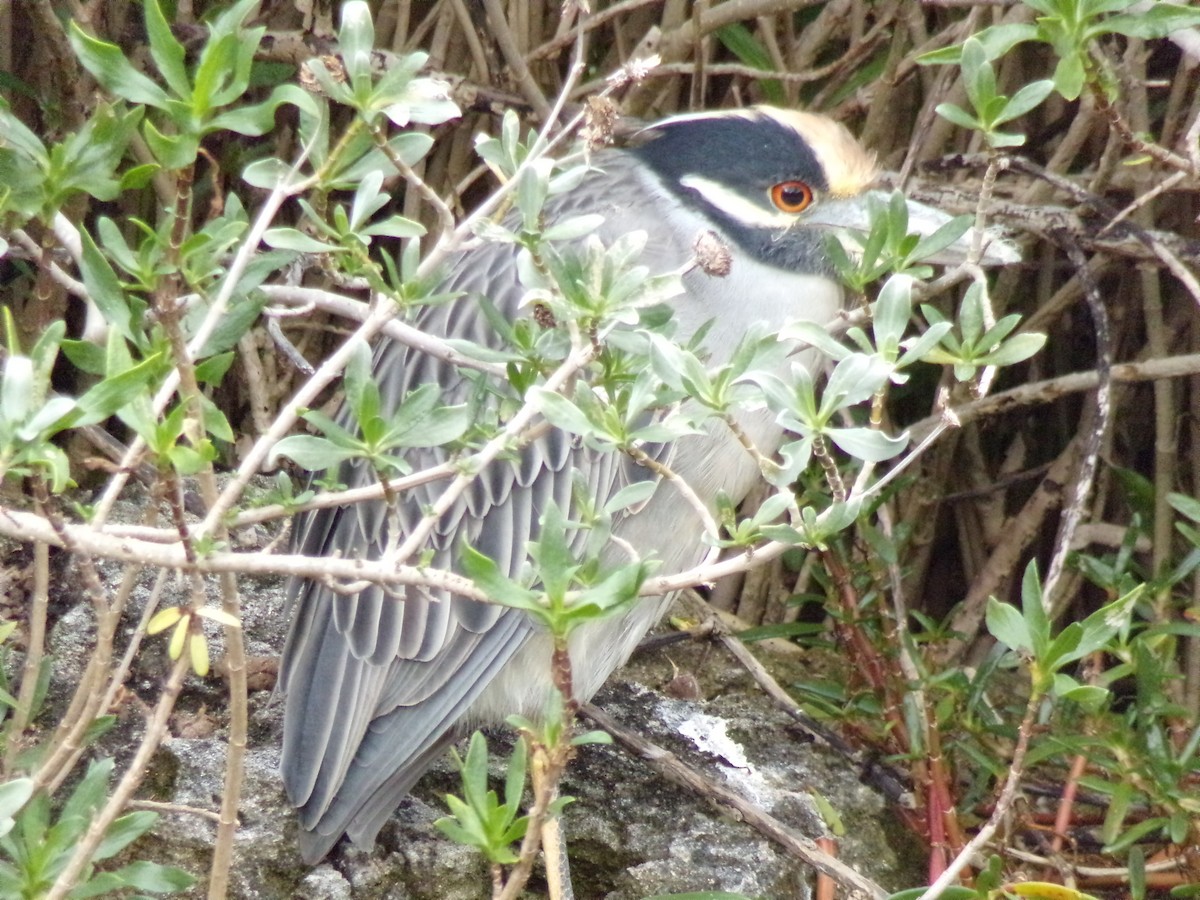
x: 1075, y: 506
x: 402, y: 332
x: 1008, y: 794
x: 507, y: 42
x: 180, y: 808
x: 711, y: 528
x: 1039, y: 392
x: 287, y: 187
x: 35, y: 645
x: 156, y: 729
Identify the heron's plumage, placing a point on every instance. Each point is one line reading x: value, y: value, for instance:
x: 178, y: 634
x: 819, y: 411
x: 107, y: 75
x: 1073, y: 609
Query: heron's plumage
x: 377, y: 685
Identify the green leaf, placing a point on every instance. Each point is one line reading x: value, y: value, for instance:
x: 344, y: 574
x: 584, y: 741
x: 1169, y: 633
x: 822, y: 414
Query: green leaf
x: 573, y: 227
x: 474, y: 772
x: 362, y: 394
x: 479, y: 819
x: 1028, y: 97
x: 109, y: 66
x: 1188, y: 506
x: 356, y: 41
x: 451, y: 828
x: 1136, y: 863
x: 557, y: 566
x: 868, y: 444
x: 1014, y: 350
x: 632, y: 495
x: 89, y: 793
x: 815, y: 336
x: 739, y: 40
x: 591, y: 737
x: 1089, y: 696
x: 854, y: 380
x: 954, y: 892
x: 1006, y: 625
x: 979, y: 77
x: 13, y: 795
x: 168, y: 53
x: 971, y: 314
x: 137, y: 177
x: 957, y: 115
x: 562, y: 413
x: 1069, y: 76
x: 213, y: 369
x: 1111, y: 619
x: 1034, y: 612
x: 996, y: 40
x: 106, y: 397
x: 1135, y: 833
x: 172, y: 151
x: 420, y: 423
x: 159, y: 879
x: 488, y: 578
x: 189, y: 460
x: 368, y: 199
x: 87, y: 160
x: 311, y: 452
x: 19, y: 138
x: 215, y: 74
x: 255, y: 119
x: 214, y: 421
x: 238, y: 319
x: 1063, y: 648
x: 116, y: 246
x: 892, y: 311
x: 292, y: 239
x: 46, y: 419
x: 17, y: 390
x: 918, y: 348
x: 1157, y: 20
x: 533, y: 186
x: 335, y: 89
x: 267, y: 174
x: 123, y: 832
x: 425, y: 102
x: 410, y: 147
x: 998, y: 332
x: 242, y: 43
x: 394, y: 227
x: 1005, y: 139
x: 514, y: 780
x: 105, y: 290
x: 619, y: 587
x: 333, y: 431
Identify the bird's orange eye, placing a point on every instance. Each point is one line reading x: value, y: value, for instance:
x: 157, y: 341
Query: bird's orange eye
x: 792, y: 196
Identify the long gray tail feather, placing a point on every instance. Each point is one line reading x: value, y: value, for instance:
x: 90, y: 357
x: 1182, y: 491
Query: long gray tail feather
x: 316, y: 844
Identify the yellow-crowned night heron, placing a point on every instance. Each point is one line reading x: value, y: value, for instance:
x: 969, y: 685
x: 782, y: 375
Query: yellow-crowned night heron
x: 377, y: 688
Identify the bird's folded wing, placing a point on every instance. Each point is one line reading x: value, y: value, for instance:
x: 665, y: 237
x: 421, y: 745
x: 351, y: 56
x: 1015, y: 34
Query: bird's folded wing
x: 375, y: 682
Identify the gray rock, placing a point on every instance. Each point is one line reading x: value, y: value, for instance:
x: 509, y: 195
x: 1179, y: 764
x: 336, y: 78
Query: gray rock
x: 631, y: 833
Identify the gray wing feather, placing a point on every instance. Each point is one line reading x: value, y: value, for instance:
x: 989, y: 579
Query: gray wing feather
x: 375, y: 683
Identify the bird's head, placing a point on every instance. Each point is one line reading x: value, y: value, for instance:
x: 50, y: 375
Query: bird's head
x: 775, y: 182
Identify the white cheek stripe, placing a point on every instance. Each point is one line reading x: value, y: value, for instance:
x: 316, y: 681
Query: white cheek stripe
x: 737, y: 206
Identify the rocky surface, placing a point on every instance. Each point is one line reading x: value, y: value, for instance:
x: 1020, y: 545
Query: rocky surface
x: 631, y: 833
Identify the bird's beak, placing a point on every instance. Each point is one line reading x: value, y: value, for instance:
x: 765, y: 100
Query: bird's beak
x: 845, y: 217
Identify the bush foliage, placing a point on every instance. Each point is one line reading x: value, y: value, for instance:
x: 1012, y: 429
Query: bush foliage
x: 207, y: 210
